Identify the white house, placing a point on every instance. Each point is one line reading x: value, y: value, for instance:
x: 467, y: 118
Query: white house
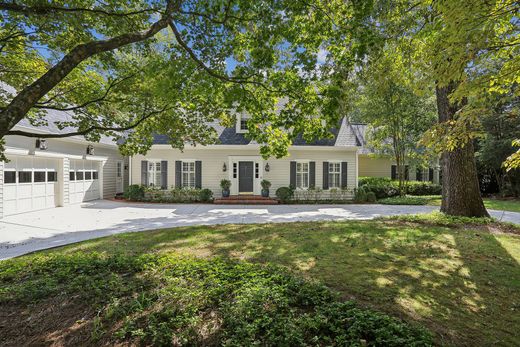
x: 58, y: 172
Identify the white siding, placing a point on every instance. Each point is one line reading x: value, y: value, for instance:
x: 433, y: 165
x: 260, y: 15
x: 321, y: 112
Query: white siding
x: 214, y: 159
x: 374, y: 166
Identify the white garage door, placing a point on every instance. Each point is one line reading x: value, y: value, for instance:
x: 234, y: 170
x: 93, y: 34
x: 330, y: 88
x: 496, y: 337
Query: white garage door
x: 30, y: 183
x: 83, y: 181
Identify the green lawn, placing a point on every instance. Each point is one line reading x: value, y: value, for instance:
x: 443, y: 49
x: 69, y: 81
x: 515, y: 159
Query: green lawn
x: 512, y: 205
x: 460, y: 281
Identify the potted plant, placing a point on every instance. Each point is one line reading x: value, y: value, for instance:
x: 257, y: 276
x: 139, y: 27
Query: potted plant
x: 265, y: 188
x: 225, y: 185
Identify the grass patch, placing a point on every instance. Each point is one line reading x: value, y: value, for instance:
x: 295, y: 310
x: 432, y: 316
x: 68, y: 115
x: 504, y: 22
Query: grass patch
x: 512, y: 205
x: 408, y: 200
x: 459, y: 278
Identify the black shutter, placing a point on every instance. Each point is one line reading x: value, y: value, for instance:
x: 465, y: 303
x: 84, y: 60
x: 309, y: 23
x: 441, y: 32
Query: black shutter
x: 406, y: 173
x: 164, y: 174
x: 178, y: 177
x: 312, y: 174
x: 418, y: 174
x: 344, y: 182
x: 198, y: 174
x: 430, y: 174
x: 394, y: 172
x: 144, y: 172
x: 293, y: 174
x: 325, y: 175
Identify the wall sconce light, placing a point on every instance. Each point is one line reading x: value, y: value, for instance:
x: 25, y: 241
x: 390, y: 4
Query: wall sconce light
x: 41, y: 144
x: 90, y: 150
x: 267, y: 167
x: 224, y: 167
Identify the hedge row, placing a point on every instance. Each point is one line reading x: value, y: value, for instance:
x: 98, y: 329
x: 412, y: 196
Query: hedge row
x: 384, y: 187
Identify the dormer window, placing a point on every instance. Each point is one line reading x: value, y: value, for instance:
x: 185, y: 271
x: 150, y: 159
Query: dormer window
x: 242, y: 124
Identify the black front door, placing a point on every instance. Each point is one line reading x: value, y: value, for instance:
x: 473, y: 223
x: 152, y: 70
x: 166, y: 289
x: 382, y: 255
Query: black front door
x: 245, y: 177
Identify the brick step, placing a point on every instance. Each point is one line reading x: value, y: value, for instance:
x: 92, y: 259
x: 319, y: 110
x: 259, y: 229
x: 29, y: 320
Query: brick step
x: 228, y: 201
x: 245, y: 197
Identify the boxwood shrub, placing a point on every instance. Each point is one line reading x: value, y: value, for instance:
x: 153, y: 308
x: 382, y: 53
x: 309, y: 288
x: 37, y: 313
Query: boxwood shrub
x: 384, y: 187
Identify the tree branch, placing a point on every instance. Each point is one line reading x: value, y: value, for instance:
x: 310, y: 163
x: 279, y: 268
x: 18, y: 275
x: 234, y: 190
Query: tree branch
x: 44, y: 10
x: 44, y: 105
x: 214, y: 73
x: 27, y: 98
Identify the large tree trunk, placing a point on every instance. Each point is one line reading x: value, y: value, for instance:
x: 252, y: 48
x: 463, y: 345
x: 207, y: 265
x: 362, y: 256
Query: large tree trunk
x: 460, y: 187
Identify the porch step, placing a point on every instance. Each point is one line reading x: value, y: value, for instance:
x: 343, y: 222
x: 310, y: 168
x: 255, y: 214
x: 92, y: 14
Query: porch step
x: 245, y: 200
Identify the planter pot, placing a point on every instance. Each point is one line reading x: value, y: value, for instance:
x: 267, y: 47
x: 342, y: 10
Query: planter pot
x: 225, y: 193
x: 265, y: 193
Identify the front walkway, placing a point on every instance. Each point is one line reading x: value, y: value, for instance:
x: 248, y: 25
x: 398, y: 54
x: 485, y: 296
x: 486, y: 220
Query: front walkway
x: 27, y: 232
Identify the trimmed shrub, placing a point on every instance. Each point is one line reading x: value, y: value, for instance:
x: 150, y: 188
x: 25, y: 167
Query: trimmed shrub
x: 206, y: 195
x: 134, y: 192
x: 384, y: 187
x: 285, y: 194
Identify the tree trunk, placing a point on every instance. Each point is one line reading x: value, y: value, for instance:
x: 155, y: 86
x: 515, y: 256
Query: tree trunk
x: 460, y: 187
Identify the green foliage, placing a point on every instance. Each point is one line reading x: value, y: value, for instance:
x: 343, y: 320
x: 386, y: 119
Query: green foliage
x: 285, y: 194
x: 134, y: 192
x: 177, y: 195
x: 265, y: 184
x: 212, y: 58
x: 371, y: 197
x: 206, y: 195
x: 441, y: 219
x: 157, y: 299
x: 225, y: 184
x: 384, y: 187
x: 360, y: 195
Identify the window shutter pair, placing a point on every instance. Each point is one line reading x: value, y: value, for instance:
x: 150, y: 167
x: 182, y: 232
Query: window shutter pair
x: 198, y: 174
x: 344, y: 175
x: 164, y: 173
x: 312, y: 174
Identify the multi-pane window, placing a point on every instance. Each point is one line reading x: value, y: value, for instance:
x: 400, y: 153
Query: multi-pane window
x: 188, y: 174
x: 302, y: 175
x: 334, y: 175
x: 154, y: 173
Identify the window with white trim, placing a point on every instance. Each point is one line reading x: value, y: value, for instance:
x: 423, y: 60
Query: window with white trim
x: 302, y: 175
x: 154, y: 173
x: 242, y: 124
x: 334, y: 175
x: 188, y: 174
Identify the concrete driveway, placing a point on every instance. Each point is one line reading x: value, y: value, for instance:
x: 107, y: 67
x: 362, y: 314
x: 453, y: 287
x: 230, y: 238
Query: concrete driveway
x: 27, y: 232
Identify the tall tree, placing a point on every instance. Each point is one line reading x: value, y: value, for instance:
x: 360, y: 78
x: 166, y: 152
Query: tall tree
x: 398, y: 114
x: 456, y: 43
x: 167, y: 66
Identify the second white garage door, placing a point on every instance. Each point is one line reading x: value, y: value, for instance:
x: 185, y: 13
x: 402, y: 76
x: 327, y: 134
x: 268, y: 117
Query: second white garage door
x: 83, y: 181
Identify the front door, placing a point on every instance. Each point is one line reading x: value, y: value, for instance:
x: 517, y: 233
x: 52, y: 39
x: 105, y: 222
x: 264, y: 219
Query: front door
x: 245, y: 177
x: 119, y: 176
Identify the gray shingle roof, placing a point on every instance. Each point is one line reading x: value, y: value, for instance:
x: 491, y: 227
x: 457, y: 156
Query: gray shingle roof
x: 52, y: 117
x: 343, y: 136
